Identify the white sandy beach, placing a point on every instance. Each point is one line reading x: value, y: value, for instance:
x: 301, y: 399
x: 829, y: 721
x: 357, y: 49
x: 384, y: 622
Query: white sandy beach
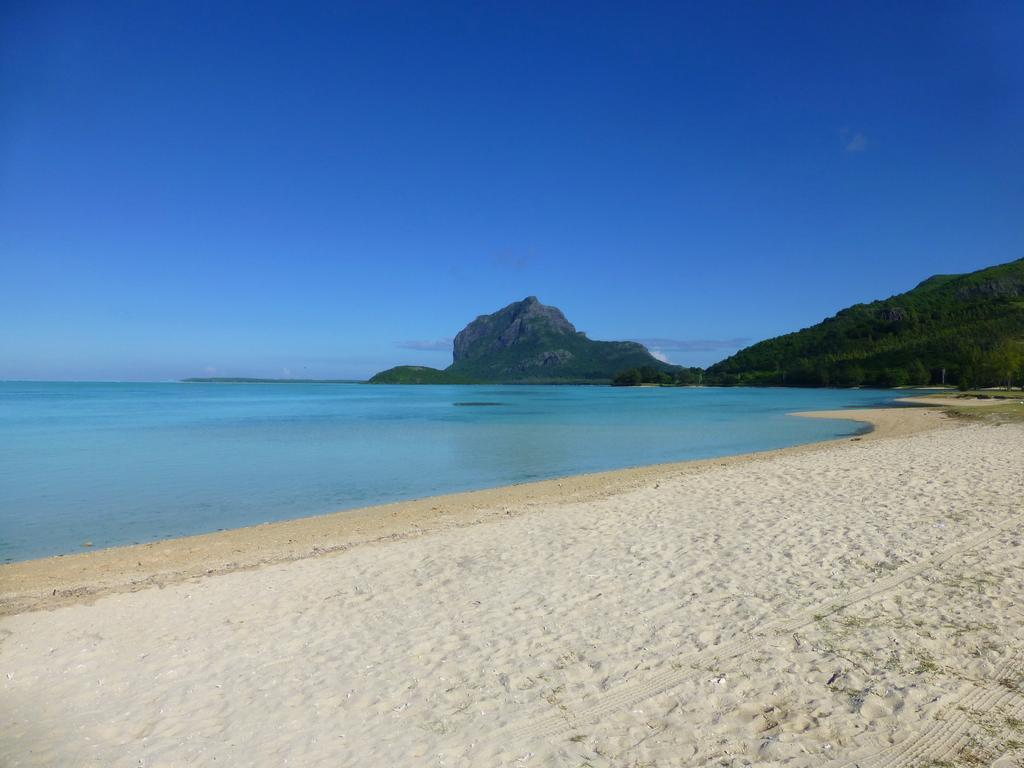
x: 859, y: 602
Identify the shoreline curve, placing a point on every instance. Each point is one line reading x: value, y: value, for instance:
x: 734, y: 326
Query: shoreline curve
x: 51, y: 582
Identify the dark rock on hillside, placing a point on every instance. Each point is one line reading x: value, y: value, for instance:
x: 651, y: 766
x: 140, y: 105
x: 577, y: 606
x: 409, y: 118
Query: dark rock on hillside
x: 522, y: 322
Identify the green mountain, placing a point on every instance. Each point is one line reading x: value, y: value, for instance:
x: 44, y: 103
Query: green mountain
x: 416, y: 374
x: 966, y: 328
x: 528, y: 343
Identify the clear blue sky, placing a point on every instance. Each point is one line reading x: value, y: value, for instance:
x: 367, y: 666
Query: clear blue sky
x: 325, y: 190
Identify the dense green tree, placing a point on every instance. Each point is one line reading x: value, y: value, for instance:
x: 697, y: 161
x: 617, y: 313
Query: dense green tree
x: 646, y: 374
x: 917, y: 373
x: 1006, y: 361
x: 849, y: 374
x: 628, y: 378
x: 891, y: 377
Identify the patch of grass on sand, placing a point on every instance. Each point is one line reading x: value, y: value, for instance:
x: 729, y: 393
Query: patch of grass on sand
x: 997, y: 413
x: 1010, y: 684
x: 995, y: 394
x: 925, y: 663
x: 855, y: 622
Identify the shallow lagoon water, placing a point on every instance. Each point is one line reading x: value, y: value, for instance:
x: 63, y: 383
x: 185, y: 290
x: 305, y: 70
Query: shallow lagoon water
x: 115, y: 464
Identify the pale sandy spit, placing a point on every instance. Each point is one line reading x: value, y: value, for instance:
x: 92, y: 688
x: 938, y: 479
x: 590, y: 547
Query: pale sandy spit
x: 854, y: 602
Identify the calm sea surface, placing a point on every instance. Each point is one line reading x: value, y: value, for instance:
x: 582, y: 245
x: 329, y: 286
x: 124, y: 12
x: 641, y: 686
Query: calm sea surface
x: 116, y: 464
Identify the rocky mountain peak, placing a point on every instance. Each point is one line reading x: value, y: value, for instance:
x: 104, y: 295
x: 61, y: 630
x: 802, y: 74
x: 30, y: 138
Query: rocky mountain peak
x: 528, y: 343
x: 520, y: 322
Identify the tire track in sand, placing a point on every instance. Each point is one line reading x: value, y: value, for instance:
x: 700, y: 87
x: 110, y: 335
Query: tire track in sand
x: 947, y: 739
x: 629, y: 694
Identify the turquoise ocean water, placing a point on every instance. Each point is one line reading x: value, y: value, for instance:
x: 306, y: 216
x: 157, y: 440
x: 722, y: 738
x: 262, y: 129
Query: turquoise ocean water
x: 116, y: 464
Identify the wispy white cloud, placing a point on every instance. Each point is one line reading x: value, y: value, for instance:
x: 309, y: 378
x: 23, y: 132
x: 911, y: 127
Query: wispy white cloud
x: 504, y: 261
x: 513, y: 260
x: 657, y: 354
x: 427, y: 345
x: 691, y: 345
x: 853, y: 141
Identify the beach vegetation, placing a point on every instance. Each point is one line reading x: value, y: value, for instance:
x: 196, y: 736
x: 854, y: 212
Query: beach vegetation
x: 680, y: 377
x: 1002, y: 410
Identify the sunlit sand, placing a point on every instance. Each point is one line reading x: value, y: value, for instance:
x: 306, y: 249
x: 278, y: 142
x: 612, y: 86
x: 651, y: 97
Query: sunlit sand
x: 855, y: 600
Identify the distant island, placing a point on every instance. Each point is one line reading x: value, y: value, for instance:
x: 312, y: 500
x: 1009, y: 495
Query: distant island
x: 248, y: 380
x: 531, y: 343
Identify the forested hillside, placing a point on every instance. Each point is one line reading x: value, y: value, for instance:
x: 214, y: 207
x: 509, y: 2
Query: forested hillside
x: 968, y: 329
